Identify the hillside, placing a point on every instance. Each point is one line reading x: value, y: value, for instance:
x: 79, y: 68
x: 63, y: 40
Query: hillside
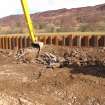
x: 90, y: 18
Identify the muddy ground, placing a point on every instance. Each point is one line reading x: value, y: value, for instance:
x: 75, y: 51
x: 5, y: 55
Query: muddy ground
x: 34, y: 84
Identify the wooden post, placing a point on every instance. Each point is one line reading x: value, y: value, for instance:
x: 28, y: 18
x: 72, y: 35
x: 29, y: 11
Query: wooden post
x: 3, y: 42
x: 79, y: 41
x: 63, y: 42
x: 51, y: 40
x: 21, y: 39
x: 25, y: 42
x: 56, y: 41
x: 44, y: 40
x: 6, y: 42
x: 10, y: 45
x: 0, y: 43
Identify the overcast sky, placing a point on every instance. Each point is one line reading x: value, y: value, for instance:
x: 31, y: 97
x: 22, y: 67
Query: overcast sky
x: 9, y: 7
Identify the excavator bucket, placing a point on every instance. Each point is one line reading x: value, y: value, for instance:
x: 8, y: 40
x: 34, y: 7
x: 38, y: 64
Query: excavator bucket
x: 38, y: 45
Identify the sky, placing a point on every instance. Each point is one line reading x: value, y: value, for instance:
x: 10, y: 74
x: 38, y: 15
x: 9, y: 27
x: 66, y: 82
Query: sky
x: 10, y: 7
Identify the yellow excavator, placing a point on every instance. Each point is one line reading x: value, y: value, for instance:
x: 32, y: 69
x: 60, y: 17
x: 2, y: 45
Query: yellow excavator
x: 32, y: 33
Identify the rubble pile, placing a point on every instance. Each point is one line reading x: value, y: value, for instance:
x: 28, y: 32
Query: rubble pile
x: 74, y: 57
x: 26, y: 55
x: 49, y: 59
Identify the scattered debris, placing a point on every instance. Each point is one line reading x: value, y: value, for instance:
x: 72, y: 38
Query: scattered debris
x: 26, y: 55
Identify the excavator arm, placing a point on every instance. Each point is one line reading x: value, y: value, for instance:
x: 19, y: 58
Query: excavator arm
x: 32, y: 33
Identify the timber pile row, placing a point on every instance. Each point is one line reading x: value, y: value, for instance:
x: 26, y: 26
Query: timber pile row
x: 82, y: 39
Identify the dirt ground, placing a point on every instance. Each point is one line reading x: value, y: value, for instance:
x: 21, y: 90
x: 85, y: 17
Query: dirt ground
x: 34, y: 84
